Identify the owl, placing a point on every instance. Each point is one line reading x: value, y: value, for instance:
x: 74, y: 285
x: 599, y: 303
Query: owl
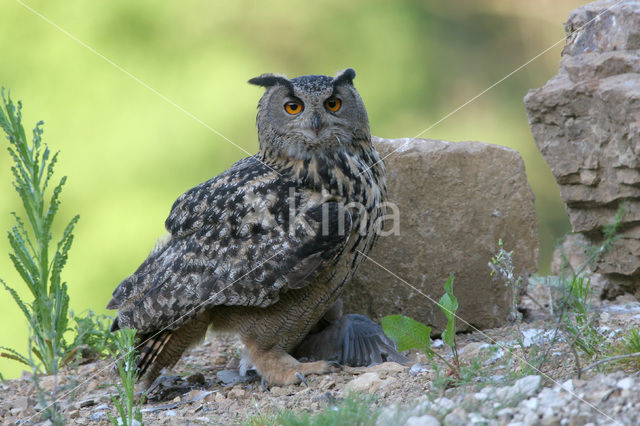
x: 265, y: 248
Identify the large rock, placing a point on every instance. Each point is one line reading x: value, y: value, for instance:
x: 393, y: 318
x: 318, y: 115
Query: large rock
x: 456, y: 200
x: 586, y: 123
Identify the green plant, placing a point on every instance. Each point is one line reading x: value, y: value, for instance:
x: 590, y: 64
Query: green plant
x: 125, y: 403
x: 30, y: 243
x: 353, y: 410
x: 632, y: 341
x: 93, y: 336
x: 411, y: 334
x: 581, y: 322
x: 448, y: 304
x: 502, y: 264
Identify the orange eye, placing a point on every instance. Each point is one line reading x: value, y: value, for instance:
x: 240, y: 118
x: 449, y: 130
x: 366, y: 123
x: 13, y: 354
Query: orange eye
x: 293, y: 107
x: 333, y: 104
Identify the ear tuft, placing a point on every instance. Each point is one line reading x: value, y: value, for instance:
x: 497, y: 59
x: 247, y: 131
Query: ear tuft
x: 344, y: 77
x: 270, y: 80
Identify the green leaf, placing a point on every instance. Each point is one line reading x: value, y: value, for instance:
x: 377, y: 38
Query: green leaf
x: 407, y: 333
x: 14, y: 355
x: 449, y: 306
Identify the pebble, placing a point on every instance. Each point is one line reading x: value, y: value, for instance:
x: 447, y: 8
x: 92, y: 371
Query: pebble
x: 425, y: 420
x: 98, y: 415
x: 626, y: 383
x: 366, y: 382
x: 527, y: 386
x: 456, y: 418
x: 418, y: 368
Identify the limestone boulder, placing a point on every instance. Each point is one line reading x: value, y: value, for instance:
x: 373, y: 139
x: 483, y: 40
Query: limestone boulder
x: 586, y: 123
x: 454, y: 202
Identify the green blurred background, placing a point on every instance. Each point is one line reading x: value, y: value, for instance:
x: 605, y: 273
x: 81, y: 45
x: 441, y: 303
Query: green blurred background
x: 128, y: 153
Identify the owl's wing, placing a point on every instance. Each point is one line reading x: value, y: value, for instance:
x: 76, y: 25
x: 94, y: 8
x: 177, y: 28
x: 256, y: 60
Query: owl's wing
x: 352, y: 340
x: 236, y: 252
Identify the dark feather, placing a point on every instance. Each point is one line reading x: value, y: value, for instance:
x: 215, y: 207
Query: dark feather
x: 269, y: 80
x: 352, y: 340
x: 344, y: 77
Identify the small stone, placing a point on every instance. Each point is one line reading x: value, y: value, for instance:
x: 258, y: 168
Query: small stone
x: 279, y: 391
x: 531, y: 403
x: 176, y: 399
x: 418, y: 368
x: 444, y: 404
x: 527, y: 386
x: 98, y: 415
x: 387, y: 368
x: 626, y: 383
x: 219, y: 397
x: 101, y: 407
x: 456, y: 418
x: 73, y: 414
x: 389, y: 382
x: 505, y: 414
x: 568, y: 386
x: 550, y: 420
x: 364, y: 383
x: 425, y: 420
x: 480, y: 396
x: 476, y: 418
x: 531, y: 418
x: 237, y: 392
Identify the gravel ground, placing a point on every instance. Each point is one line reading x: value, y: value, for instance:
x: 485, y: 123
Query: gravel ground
x: 208, y: 390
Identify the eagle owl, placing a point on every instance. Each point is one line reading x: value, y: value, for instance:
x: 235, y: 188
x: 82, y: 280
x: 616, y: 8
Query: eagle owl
x: 264, y: 249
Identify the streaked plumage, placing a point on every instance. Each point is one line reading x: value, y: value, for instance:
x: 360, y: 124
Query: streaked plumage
x: 264, y: 248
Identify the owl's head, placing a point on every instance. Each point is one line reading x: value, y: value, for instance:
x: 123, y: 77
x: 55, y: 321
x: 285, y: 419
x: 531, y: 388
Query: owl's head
x: 305, y: 115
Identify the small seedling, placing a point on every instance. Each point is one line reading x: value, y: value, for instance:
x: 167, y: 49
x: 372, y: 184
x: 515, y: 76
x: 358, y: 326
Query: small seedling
x: 502, y: 265
x: 128, y: 410
x: 449, y: 306
x: 93, y: 336
x: 411, y: 334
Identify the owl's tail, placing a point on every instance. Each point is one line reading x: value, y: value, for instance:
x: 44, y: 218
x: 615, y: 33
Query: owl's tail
x: 153, y: 346
x: 160, y: 350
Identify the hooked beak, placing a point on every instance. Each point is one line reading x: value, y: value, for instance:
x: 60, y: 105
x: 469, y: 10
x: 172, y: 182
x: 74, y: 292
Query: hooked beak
x: 315, y: 123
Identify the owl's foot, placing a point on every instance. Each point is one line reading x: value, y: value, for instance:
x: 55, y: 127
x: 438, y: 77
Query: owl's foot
x: 279, y: 368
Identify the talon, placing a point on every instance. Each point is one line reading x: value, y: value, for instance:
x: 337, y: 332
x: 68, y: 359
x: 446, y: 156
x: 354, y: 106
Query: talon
x: 302, y: 379
x: 263, y: 384
x: 336, y: 364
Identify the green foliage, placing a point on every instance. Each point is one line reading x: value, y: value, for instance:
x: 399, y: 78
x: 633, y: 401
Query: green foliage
x: 411, y: 334
x: 502, y: 264
x: 93, y: 335
x: 128, y: 410
x: 581, y: 322
x: 632, y: 341
x: 408, y: 333
x: 449, y: 306
x: 353, y: 410
x: 30, y: 240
